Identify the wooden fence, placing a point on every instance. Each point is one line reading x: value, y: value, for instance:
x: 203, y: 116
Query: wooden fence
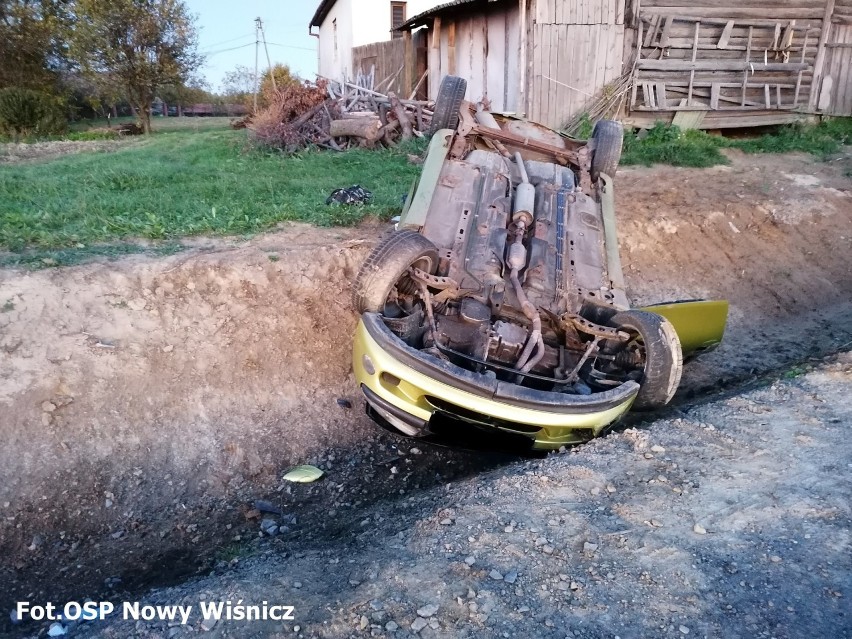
x: 394, y: 65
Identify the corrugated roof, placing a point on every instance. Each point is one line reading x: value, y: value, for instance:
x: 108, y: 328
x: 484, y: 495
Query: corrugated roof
x: 426, y: 17
x: 321, y: 12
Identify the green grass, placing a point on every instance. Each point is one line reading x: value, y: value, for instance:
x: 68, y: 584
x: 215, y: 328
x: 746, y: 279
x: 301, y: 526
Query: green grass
x: 45, y: 258
x: 669, y: 145
x: 188, y: 182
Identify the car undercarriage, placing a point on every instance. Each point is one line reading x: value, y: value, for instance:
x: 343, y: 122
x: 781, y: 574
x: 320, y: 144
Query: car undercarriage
x: 505, y: 265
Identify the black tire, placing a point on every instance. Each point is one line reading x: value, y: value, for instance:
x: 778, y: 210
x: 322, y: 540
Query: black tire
x: 447, y: 104
x: 388, y: 262
x: 663, y: 358
x: 608, y: 136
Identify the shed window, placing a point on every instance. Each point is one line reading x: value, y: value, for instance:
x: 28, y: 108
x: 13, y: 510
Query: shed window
x: 397, y: 17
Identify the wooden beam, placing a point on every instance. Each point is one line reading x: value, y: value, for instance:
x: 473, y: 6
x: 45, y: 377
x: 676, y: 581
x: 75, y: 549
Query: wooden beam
x: 409, y: 62
x: 714, y: 95
x: 819, y: 62
x: 694, y: 57
x: 451, y: 48
x: 664, y: 36
x: 717, y: 65
x: 436, y: 33
x: 726, y: 35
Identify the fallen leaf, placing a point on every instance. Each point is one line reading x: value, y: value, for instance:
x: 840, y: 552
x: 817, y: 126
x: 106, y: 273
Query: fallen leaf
x: 303, y: 474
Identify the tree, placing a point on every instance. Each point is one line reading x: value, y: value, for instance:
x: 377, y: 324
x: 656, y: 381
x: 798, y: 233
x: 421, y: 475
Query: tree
x: 32, y: 43
x: 138, y: 45
x: 238, y: 85
x: 283, y: 77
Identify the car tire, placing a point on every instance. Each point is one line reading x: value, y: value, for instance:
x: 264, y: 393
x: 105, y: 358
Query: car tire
x: 608, y: 136
x: 663, y: 363
x: 388, y: 262
x: 447, y: 104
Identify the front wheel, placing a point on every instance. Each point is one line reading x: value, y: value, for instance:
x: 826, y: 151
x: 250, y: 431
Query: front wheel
x: 652, y: 354
x: 387, y: 267
x: 447, y: 104
x: 608, y: 136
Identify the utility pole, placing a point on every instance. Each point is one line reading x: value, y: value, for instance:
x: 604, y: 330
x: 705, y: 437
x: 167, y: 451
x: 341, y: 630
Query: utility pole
x: 256, y: 53
x: 259, y: 23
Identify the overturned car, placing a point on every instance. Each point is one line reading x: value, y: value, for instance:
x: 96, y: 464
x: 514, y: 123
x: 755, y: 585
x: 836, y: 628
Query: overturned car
x: 499, y: 303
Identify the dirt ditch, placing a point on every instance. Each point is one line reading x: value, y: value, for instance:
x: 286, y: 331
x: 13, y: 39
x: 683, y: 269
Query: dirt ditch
x: 146, y: 403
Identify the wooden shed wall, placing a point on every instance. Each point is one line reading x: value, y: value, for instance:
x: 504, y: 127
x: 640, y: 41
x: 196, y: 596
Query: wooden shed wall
x: 750, y: 62
x: 835, y: 94
x: 383, y: 59
x: 576, y: 49
x: 483, y: 48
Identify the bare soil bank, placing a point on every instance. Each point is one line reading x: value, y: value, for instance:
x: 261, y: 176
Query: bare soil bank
x: 144, y: 402
x: 732, y: 520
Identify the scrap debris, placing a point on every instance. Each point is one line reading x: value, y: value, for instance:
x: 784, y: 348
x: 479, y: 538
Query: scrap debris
x: 338, y: 116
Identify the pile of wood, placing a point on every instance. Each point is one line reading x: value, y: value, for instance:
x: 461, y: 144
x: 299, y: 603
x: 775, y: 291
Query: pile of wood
x: 352, y: 115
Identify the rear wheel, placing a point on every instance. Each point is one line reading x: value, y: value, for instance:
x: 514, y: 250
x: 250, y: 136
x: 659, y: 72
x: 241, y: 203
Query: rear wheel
x: 652, y: 356
x: 608, y: 136
x: 447, y: 104
x: 386, y: 270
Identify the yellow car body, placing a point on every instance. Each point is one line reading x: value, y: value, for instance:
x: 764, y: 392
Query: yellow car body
x: 405, y: 388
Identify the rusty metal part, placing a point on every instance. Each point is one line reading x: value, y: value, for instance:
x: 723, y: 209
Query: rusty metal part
x: 584, y: 161
x: 484, y: 118
x: 590, y: 328
x: 468, y: 126
x: 592, y: 348
x: 435, y: 281
x: 427, y: 301
x: 562, y: 156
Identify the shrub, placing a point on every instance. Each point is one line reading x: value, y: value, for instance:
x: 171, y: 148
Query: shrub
x: 272, y: 126
x: 26, y: 112
x: 666, y: 144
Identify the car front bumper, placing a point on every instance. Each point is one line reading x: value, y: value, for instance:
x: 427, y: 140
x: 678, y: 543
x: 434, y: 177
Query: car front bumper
x: 407, y: 388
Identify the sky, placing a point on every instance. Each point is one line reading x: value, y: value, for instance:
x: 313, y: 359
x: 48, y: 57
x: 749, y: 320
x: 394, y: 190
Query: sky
x: 227, y: 35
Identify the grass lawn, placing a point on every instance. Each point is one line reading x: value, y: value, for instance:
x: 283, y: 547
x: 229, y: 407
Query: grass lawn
x: 188, y: 180
x: 669, y: 145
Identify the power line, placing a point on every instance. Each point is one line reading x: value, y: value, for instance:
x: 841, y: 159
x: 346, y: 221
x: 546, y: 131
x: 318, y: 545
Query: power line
x: 218, y: 44
x: 242, y: 46
x: 290, y: 46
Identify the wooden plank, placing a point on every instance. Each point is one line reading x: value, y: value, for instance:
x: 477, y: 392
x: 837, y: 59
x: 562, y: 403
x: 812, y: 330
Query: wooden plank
x: 799, y: 76
x: 694, y: 57
x: 726, y: 35
x: 721, y: 119
x: 662, y: 103
x: 563, y: 70
x: 714, y: 95
x: 717, y: 65
x: 652, y: 31
x: 767, y: 96
x: 688, y: 119
x: 819, y: 62
x: 648, y: 97
x: 451, y: 48
x: 702, y: 10
x: 537, y: 81
x: 619, y: 11
x: 436, y: 33
x: 514, y: 62
x: 704, y: 94
x: 664, y: 36
x: 410, y: 63
x: 496, y: 64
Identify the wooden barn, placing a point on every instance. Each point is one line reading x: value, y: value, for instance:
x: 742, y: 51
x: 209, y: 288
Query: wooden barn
x: 706, y: 63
